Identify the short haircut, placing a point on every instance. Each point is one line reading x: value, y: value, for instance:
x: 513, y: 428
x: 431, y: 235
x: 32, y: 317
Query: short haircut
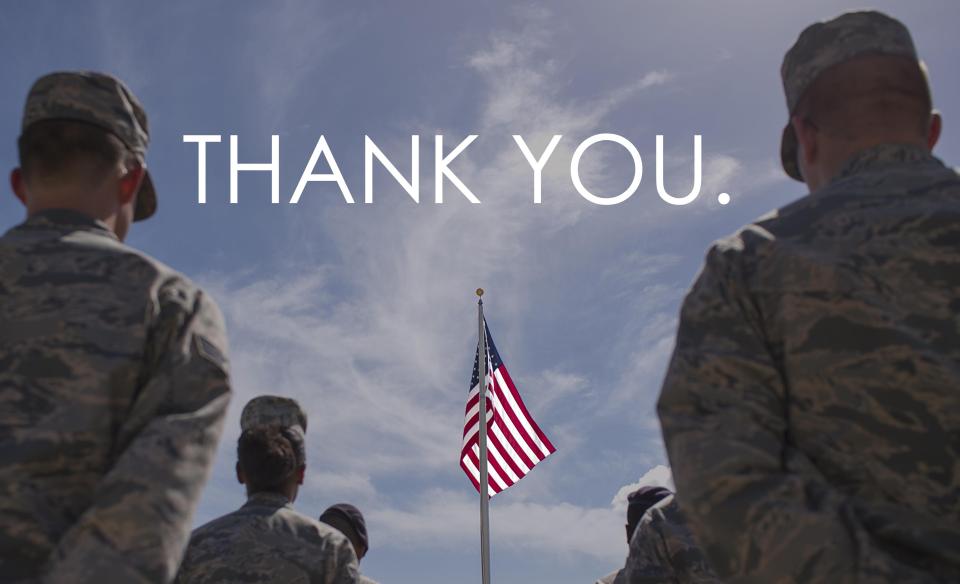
x: 267, y: 457
x: 867, y: 94
x: 53, y: 150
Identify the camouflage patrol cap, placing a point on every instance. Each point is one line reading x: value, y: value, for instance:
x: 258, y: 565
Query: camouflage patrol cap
x: 823, y: 45
x: 274, y: 410
x: 101, y: 100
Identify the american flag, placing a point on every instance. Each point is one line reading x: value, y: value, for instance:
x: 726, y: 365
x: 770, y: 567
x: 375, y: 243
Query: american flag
x: 515, y: 443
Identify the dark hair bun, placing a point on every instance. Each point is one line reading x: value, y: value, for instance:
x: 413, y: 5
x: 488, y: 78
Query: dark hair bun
x: 266, y: 456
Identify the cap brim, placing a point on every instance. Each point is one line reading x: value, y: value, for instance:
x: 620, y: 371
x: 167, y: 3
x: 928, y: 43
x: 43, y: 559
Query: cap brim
x: 788, y: 153
x: 146, y: 199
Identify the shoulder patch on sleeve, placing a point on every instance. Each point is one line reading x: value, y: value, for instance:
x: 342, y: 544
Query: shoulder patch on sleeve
x: 209, y: 351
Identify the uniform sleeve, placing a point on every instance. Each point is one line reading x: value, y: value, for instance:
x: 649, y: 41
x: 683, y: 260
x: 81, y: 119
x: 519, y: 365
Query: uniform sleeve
x: 139, y: 522
x: 347, y: 569
x: 758, y: 507
x: 679, y: 548
x: 648, y: 561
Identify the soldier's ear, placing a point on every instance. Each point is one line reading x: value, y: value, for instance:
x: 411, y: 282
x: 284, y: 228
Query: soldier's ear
x: 300, y: 473
x: 806, y: 132
x: 240, y: 478
x: 130, y: 182
x: 933, y: 133
x: 18, y: 186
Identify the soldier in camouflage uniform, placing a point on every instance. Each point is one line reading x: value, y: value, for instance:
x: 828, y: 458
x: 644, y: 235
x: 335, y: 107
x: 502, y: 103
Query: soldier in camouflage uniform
x: 811, y: 410
x: 349, y: 521
x: 113, y: 369
x: 663, y: 551
x: 266, y: 540
x: 638, y: 502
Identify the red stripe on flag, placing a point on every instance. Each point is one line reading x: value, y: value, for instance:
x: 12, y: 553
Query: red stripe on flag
x: 523, y: 409
x: 504, y: 451
x: 515, y: 445
x: 521, y: 432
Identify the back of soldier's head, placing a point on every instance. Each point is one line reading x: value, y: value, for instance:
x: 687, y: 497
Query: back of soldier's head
x: 869, y: 95
x: 640, y: 501
x: 267, y: 458
x: 82, y: 146
x: 57, y: 151
x: 852, y: 83
x: 349, y: 521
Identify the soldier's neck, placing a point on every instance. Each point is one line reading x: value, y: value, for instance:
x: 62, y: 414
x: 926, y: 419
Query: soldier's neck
x: 288, y: 492
x: 838, y: 153
x: 91, y: 208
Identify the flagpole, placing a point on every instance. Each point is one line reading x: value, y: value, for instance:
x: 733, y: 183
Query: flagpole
x: 484, y: 483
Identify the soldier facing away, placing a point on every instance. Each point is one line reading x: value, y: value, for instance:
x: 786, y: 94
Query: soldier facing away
x: 349, y: 521
x: 266, y: 540
x: 811, y: 409
x: 113, y: 367
x: 663, y: 551
x: 638, y: 502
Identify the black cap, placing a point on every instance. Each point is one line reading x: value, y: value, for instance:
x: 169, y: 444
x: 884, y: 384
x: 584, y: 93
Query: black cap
x: 352, y: 516
x: 639, y: 501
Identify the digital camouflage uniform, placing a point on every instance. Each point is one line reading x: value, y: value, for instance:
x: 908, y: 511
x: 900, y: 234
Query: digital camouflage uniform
x: 113, y: 388
x: 349, y: 521
x: 639, y: 502
x: 266, y: 540
x: 811, y: 410
x: 663, y: 551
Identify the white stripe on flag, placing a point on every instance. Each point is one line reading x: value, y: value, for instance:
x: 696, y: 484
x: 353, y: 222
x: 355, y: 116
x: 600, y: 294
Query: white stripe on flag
x: 492, y: 472
x: 510, y: 451
x: 523, y: 419
x: 517, y: 436
x: 492, y: 445
x: 475, y: 428
x: 476, y: 474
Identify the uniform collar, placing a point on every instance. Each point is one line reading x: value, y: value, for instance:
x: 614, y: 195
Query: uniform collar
x: 68, y: 220
x: 884, y: 155
x: 264, y: 499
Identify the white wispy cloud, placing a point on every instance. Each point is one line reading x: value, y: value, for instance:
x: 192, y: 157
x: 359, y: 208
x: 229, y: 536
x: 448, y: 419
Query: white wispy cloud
x: 658, y: 476
x: 287, y: 43
x: 375, y: 336
x: 563, y: 386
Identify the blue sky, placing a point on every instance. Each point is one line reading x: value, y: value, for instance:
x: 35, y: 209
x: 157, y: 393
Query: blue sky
x: 366, y: 313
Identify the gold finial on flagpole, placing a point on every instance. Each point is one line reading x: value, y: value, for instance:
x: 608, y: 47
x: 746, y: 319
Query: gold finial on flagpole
x: 480, y: 292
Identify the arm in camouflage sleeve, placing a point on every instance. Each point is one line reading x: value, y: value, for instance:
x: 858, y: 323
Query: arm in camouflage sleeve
x: 348, y: 568
x: 662, y: 550
x: 759, y: 508
x: 139, y: 522
x: 649, y: 560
